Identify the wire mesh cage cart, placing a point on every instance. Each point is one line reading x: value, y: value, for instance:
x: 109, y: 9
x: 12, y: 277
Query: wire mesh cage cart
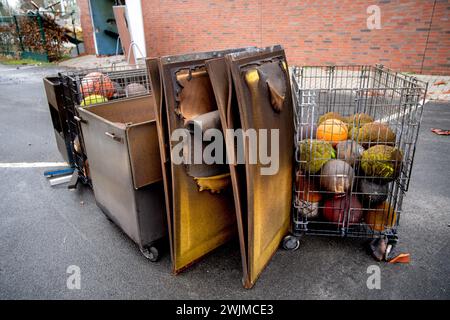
x: 356, y: 132
x: 90, y: 87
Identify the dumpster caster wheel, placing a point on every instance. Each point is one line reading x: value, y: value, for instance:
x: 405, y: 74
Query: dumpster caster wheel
x: 291, y: 243
x: 151, y: 253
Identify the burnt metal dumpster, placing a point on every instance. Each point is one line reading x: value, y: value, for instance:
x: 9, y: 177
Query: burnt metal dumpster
x: 199, y: 197
x: 125, y: 167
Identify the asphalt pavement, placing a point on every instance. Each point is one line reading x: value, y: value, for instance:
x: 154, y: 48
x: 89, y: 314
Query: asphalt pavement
x: 44, y: 229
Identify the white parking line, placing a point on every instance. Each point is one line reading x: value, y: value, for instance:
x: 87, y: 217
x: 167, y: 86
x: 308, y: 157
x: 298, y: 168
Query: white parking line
x: 20, y: 68
x: 33, y: 164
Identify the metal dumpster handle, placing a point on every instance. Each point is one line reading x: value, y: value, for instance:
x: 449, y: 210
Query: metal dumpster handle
x: 113, y: 136
x: 79, y: 119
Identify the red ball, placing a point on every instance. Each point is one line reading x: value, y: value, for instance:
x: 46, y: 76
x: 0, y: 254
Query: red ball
x: 89, y: 83
x: 97, y: 83
x: 343, y: 208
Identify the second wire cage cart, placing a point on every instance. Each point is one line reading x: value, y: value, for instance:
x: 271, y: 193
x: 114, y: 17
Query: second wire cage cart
x: 356, y: 133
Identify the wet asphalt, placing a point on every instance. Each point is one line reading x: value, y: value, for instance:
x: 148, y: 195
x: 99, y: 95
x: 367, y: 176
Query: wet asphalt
x: 44, y: 229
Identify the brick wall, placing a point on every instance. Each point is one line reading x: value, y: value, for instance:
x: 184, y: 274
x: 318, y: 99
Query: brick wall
x: 312, y: 31
x: 437, y: 57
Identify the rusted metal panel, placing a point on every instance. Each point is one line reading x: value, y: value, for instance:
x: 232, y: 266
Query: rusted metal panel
x: 54, y: 93
x: 222, y: 83
x: 253, y: 92
x: 120, y: 14
x: 157, y: 88
x: 200, y: 219
x: 143, y: 149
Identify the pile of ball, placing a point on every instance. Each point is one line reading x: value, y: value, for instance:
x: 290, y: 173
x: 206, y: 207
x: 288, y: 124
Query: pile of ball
x: 350, y: 162
x: 97, y: 87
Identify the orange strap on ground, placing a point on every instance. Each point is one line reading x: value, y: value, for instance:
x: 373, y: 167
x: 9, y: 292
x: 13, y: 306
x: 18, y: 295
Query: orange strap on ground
x: 401, y: 258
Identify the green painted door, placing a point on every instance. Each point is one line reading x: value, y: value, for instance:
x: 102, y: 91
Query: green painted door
x: 104, y: 26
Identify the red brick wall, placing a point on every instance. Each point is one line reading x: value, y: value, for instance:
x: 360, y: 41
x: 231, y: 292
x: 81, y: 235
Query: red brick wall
x: 437, y: 57
x: 312, y: 31
x: 86, y: 24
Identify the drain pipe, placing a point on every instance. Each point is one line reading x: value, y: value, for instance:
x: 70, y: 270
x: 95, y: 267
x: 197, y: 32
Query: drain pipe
x: 428, y: 37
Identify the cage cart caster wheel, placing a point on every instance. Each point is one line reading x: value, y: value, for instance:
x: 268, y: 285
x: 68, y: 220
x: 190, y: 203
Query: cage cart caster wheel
x: 151, y: 253
x: 291, y: 243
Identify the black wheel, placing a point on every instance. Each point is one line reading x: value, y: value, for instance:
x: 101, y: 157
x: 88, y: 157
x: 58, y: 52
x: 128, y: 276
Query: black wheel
x: 151, y: 253
x: 291, y: 243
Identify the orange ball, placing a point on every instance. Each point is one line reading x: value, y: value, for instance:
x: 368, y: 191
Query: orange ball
x: 332, y: 130
x: 107, y: 88
x: 381, y: 217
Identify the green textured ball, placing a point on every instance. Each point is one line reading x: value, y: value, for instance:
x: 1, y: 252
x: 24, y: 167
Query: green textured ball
x: 353, y: 133
x: 358, y: 120
x: 373, y: 133
x: 314, y: 154
x: 382, y: 161
x: 331, y: 115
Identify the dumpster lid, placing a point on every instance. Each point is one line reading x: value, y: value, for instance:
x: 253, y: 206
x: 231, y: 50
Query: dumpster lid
x: 199, y: 220
x: 262, y: 88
